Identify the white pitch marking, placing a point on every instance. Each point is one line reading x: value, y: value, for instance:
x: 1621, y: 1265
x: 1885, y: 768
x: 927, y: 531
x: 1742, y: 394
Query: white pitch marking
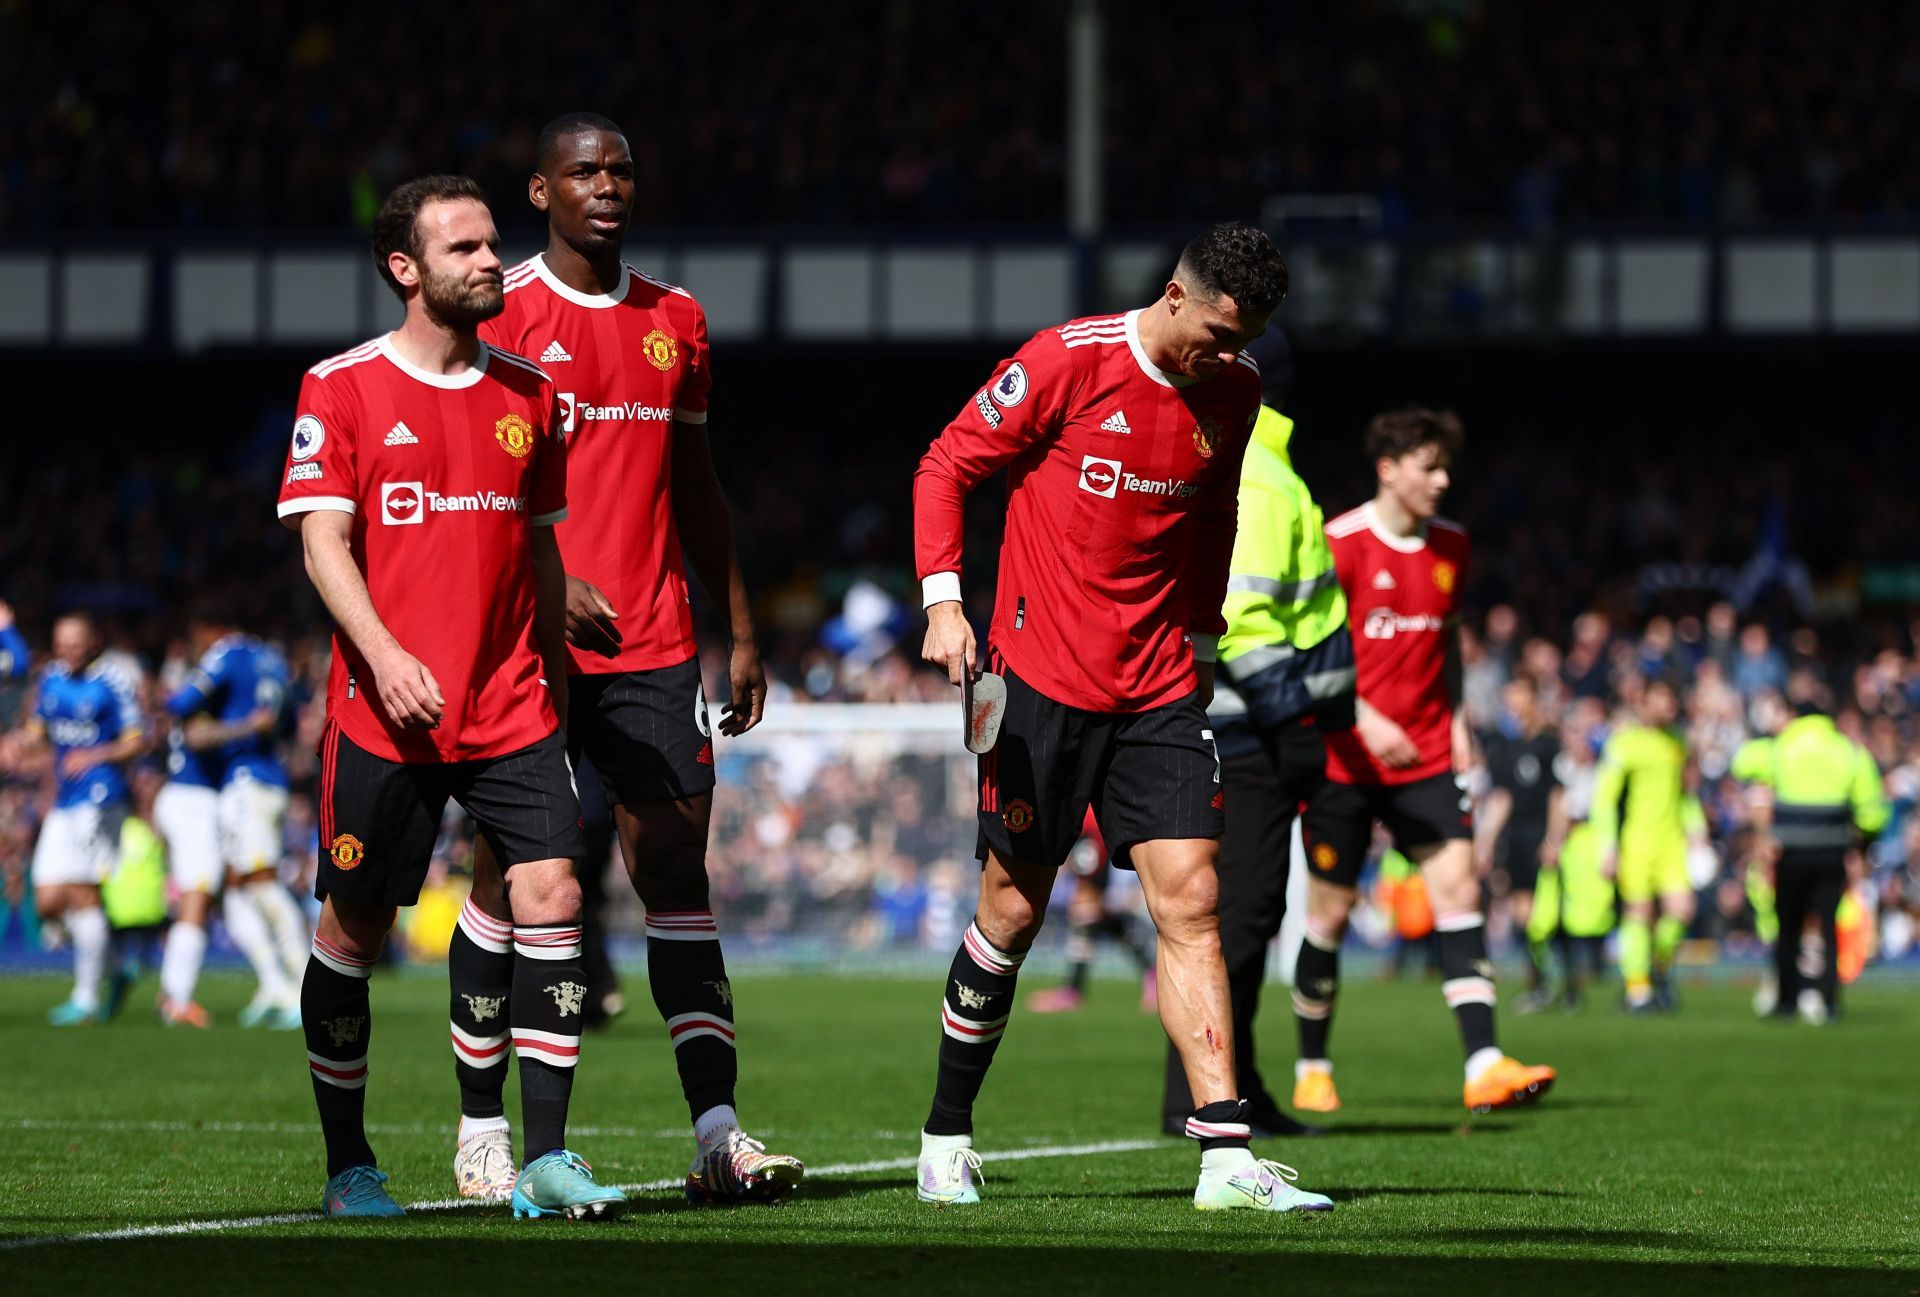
x: 451, y: 1204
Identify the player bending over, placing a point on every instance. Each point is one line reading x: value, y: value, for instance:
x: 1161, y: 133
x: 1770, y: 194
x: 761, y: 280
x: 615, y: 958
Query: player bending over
x: 1403, y: 568
x: 1122, y: 437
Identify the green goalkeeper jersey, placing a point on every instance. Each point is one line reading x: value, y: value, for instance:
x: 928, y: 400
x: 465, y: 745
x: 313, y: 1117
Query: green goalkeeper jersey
x: 1640, y: 789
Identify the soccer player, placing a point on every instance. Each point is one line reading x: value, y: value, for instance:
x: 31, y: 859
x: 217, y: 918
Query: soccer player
x: 88, y: 714
x: 630, y: 357
x: 1514, y: 824
x: 186, y: 814
x: 242, y: 684
x: 425, y: 476
x: 1122, y: 438
x: 1640, y: 821
x: 1403, y: 568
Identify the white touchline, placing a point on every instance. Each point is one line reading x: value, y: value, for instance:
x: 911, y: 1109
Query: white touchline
x: 298, y: 1128
x: 451, y: 1204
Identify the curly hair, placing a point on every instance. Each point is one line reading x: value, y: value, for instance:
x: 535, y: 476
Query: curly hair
x: 1402, y: 432
x: 1235, y: 259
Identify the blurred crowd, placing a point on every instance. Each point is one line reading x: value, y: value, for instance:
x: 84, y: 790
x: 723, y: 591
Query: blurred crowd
x: 1485, y: 111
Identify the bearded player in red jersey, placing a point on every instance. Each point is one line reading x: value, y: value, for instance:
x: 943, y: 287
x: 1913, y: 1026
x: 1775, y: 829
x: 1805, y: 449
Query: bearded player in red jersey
x: 629, y: 355
x: 1403, y: 568
x: 1122, y: 438
x: 425, y: 478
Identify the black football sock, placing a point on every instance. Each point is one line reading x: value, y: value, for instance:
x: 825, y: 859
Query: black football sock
x: 973, y: 1017
x: 688, y: 976
x: 1220, y: 1125
x: 549, y: 998
x: 338, y: 1022
x: 1316, y: 985
x: 1080, y: 952
x: 1467, y: 977
x: 480, y: 968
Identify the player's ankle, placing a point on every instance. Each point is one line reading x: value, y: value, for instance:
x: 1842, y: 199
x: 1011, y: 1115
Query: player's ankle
x: 472, y: 1127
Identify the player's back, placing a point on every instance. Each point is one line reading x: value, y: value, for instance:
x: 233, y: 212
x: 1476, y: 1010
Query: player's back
x: 253, y: 678
x: 1403, y: 596
x: 626, y: 365
x: 1121, y: 487
x: 1643, y: 770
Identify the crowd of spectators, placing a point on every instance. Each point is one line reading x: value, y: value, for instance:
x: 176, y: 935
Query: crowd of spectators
x: 200, y: 116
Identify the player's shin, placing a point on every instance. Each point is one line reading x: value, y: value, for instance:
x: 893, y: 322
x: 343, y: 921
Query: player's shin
x: 973, y: 1017
x: 1316, y: 986
x: 88, y: 927
x: 180, y: 960
x: 248, y: 928
x: 287, y: 929
x: 338, y: 1022
x: 688, y: 976
x: 1467, y: 982
x: 549, y: 996
x: 480, y: 968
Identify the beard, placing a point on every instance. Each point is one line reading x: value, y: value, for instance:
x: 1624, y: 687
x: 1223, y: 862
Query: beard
x: 458, y: 304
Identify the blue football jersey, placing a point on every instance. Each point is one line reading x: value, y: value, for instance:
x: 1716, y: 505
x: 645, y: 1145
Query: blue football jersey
x: 237, y: 677
x: 97, y: 706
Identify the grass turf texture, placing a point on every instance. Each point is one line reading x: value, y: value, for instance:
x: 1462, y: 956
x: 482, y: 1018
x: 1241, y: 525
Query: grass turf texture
x: 1704, y: 1153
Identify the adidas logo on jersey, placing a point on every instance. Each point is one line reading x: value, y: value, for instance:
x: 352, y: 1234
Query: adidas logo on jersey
x: 1117, y: 422
x: 1383, y: 580
x: 402, y: 435
x: 554, y: 352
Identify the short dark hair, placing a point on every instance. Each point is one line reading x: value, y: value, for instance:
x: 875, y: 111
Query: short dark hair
x: 565, y: 127
x: 1238, y: 260
x: 1402, y: 432
x: 397, y: 226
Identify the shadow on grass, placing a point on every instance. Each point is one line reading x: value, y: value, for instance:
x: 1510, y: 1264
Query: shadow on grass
x: 1464, y: 1125
x: 612, y: 1258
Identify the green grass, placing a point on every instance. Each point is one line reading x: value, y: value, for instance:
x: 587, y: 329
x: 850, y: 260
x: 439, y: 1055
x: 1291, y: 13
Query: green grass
x: 1705, y: 1153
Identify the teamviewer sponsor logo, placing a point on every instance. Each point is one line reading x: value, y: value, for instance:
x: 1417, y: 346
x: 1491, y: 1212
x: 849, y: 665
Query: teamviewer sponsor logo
x: 1100, y: 476
x: 1385, y: 623
x: 573, y: 411
x: 402, y: 503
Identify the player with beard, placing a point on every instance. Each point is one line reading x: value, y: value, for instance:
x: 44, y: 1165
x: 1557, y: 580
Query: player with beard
x: 629, y: 354
x: 425, y: 477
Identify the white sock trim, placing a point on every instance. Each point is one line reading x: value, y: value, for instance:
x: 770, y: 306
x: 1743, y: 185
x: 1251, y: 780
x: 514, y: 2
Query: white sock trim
x: 1480, y: 1060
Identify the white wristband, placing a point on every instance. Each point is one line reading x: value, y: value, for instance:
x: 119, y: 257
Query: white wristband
x: 1206, y: 648
x: 940, y: 587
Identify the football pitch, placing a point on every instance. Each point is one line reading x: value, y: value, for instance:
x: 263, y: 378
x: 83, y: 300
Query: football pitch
x: 1703, y: 1153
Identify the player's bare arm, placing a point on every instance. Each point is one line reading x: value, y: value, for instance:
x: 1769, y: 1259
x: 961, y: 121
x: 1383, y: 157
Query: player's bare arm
x: 121, y: 750
x: 706, y: 534
x: 550, y: 614
x: 1453, y: 678
x: 407, y: 691
x: 590, y: 619
x: 1489, y: 822
x: 1384, y: 737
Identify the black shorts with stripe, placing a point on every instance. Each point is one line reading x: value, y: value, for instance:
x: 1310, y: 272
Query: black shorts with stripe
x: 379, y: 819
x: 1147, y: 775
x: 646, y: 733
x: 1337, y: 828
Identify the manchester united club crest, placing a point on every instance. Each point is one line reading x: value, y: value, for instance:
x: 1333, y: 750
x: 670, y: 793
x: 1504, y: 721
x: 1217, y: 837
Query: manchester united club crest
x: 1206, y: 436
x: 1325, y: 857
x: 1444, y: 575
x: 661, y: 349
x: 347, y: 851
x: 1018, y: 816
x: 514, y: 434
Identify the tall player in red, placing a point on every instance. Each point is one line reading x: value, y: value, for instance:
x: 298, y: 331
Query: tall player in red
x: 1403, y: 568
x: 629, y: 354
x: 1122, y: 437
x: 425, y: 478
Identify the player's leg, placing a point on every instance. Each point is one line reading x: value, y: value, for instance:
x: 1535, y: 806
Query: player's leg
x: 1676, y: 909
x: 480, y: 975
x: 1432, y: 822
x: 246, y: 922
x: 187, y: 817
x: 1635, y: 879
x: 1086, y: 919
x: 1033, y: 801
x: 525, y: 805
x: 260, y: 811
x: 1335, y: 831
x: 74, y: 855
x: 1523, y: 875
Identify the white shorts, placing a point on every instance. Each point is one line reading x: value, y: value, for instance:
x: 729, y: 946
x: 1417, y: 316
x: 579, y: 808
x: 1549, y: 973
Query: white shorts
x: 78, y: 844
x: 188, y: 817
x: 252, y: 818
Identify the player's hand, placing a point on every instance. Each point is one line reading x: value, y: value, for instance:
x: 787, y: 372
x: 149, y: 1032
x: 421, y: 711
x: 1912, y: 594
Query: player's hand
x: 1387, y: 741
x: 590, y: 618
x: 748, y: 679
x: 949, y: 644
x: 1610, y: 863
x: 1462, y: 746
x: 1203, y: 672
x: 1549, y: 854
x: 6, y: 614
x: 408, y: 691
x: 201, y: 733
x: 77, y: 761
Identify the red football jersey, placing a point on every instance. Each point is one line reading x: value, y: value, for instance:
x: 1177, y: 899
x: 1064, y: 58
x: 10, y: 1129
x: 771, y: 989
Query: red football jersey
x: 1122, y: 492
x: 628, y: 364
x: 1403, y: 596
x: 444, y: 476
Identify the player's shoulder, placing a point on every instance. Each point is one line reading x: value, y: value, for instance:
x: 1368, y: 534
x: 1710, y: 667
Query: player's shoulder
x: 513, y: 370
x: 672, y: 296
x: 525, y: 275
x: 1354, y: 522
x: 1445, y: 534
x: 334, y: 366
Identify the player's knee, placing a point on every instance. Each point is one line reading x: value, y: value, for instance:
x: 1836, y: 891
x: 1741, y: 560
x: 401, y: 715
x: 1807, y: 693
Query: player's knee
x: 1010, y: 920
x: 359, y: 930
x: 1328, y: 909
x: 543, y: 892
x: 1188, y: 909
x: 674, y: 880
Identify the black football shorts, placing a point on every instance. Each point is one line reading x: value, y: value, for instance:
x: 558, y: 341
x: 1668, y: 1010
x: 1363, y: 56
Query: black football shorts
x: 647, y: 733
x: 1337, y: 828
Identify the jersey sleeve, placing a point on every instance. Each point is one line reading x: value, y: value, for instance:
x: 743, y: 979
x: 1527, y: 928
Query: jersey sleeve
x: 690, y: 402
x: 125, y: 689
x: 14, y: 653
x: 1023, y: 403
x: 270, y: 683
x: 320, y: 470
x: 1868, y: 795
x: 196, y: 690
x: 547, y: 497
x: 1753, y: 761
x: 1609, y: 785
